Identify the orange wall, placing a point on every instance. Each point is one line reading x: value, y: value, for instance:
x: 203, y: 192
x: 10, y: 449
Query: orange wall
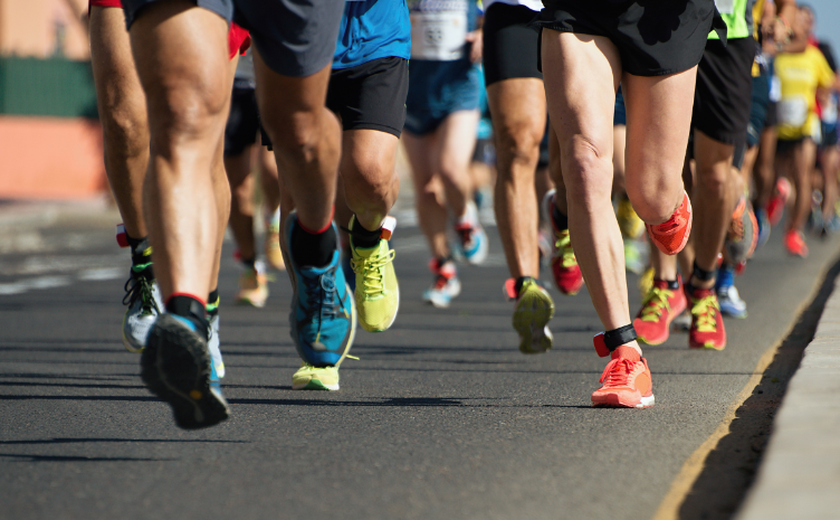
x: 28, y: 27
x: 51, y: 158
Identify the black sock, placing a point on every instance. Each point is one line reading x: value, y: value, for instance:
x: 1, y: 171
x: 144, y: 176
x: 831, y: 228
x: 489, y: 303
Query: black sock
x: 212, y: 306
x: 561, y: 221
x: 248, y: 262
x: 672, y: 284
x: 362, y: 237
x: 520, y: 282
x: 141, y: 257
x: 189, y: 308
x: 312, y: 250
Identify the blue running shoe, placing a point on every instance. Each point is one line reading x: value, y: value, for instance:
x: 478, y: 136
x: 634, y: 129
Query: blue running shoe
x: 323, y: 316
x: 176, y: 366
x: 763, y: 227
x: 472, y: 239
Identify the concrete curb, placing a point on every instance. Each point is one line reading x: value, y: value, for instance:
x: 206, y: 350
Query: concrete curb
x: 800, y: 475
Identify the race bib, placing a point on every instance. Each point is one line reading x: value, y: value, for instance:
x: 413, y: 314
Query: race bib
x: 793, y: 111
x: 438, y: 35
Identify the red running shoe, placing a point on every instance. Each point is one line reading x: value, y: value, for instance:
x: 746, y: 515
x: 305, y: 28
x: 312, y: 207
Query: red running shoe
x: 672, y: 235
x: 659, y: 308
x: 626, y: 381
x: 795, y: 243
x: 564, y: 265
x: 776, y: 206
x: 707, y: 329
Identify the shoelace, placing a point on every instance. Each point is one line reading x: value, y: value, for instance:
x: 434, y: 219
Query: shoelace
x: 617, y: 372
x: 564, y: 245
x: 441, y: 281
x: 656, y: 301
x: 320, y: 297
x: 465, y: 234
x: 705, y: 310
x: 140, y: 288
x: 372, y: 270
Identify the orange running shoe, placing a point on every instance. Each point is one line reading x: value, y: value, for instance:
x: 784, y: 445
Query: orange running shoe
x: 795, y: 243
x: 626, y: 381
x: 659, y: 308
x: 707, y: 329
x: 672, y: 235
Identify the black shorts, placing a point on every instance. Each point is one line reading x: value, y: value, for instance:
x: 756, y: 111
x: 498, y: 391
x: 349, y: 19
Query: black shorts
x: 653, y: 37
x: 724, y: 89
x: 368, y: 96
x: 243, y: 123
x: 223, y: 8
x: 371, y: 95
x: 510, y: 43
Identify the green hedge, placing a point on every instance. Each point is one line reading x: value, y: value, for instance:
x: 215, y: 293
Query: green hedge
x: 46, y: 87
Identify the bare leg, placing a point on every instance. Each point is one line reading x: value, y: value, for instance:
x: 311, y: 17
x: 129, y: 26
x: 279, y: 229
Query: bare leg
x: 456, y: 143
x: 518, y: 126
x: 371, y: 184
x: 122, y: 111
x: 189, y: 96
x: 238, y: 169
x: 428, y: 190
x: 804, y: 154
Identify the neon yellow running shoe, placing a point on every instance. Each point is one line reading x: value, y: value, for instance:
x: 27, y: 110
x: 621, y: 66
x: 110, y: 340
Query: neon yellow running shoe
x: 310, y: 377
x: 628, y: 221
x: 534, y: 309
x: 377, y: 292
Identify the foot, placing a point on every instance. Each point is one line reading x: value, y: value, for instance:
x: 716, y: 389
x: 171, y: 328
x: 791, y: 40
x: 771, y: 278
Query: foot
x: 445, y: 286
x: 730, y: 302
x: 626, y: 381
x: 377, y: 292
x: 795, y: 243
x: 672, y: 235
x: 564, y: 266
x: 707, y: 329
x: 472, y: 240
x: 309, y: 377
x: 253, y: 286
x: 176, y: 366
x: 742, y: 236
x: 534, y: 309
x: 143, y: 300
x: 323, y: 316
x: 659, y: 308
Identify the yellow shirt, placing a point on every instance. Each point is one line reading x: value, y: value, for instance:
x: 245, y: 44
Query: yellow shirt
x: 800, y: 74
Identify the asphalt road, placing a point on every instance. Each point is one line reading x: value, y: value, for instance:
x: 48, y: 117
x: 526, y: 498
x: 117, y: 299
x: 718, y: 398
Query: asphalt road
x: 441, y: 417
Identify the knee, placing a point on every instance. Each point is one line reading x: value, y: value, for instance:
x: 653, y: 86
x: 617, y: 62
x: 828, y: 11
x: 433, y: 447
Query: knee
x: 186, y: 113
x: 517, y: 144
x: 588, y: 180
x: 298, y: 136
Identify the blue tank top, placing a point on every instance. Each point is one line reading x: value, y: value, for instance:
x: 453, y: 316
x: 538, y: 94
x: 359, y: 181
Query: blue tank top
x: 372, y: 29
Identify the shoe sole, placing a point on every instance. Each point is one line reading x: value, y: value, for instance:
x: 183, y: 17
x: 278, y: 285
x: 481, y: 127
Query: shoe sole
x: 175, y: 366
x: 315, y: 384
x: 616, y: 401
x: 530, y: 320
x: 705, y: 346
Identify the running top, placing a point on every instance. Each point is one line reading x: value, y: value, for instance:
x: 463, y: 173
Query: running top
x: 800, y: 74
x: 372, y: 29
x: 738, y: 15
x: 439, y: 28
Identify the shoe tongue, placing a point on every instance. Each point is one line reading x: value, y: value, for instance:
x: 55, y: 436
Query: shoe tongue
x: 626, y: 353
x: 366, y: 252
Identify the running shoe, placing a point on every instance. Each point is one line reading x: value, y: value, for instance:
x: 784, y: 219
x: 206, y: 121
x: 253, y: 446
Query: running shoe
x: 659, y: 308
x: 742, y: 236
x: 323, y: 316
x: 707, y: 329
x: 564, y: 266
x: 795, y: 243
x: 213, y: 346
x: 446, y: 285
x: 253, y: 286
x: 472, y: 240
x: 273, y: 251
x: 672, y: 235
x: 763, y: 222
x: 628, y: 221
x: 776, y: 206
x: 626, y: 381
x: 534, y: 309
x: 176, y: 366
x: 377, y: 292
x: 645, y: 283
x: 143, y: 298
x: 309, y: 377
x: 730, y: 302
